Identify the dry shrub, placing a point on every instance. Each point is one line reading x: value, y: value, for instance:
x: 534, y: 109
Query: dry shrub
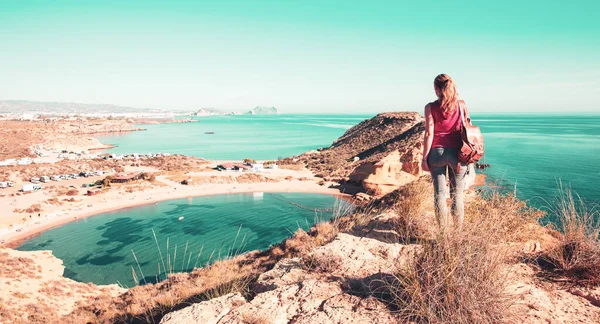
x: 148, y: 303
x: 226, y: 278
x: 322, y: 262
x: 73, y: 192
x: 299, y: 244
x: 54, y: 201
x: 148, y: 176
x: 41, y: 313
x: 413, y: 200
x: 19, y: 295
x: 454, y: 279
x: 295, y: 167
x: 18, y: 267
x: 323, y: 233
x: 254, y: 178
x: 35, y: 208
x: 302, y: 243
x: 503, y: 215
x: 577, y: 256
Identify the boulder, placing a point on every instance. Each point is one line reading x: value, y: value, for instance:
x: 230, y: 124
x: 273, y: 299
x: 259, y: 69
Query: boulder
x: 208, y: 312
x: 386, y: 175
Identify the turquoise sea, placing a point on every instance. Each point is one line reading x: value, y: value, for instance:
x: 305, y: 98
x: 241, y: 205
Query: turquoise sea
x: 237, y: 137
x: 530, y: 152
x: 100, y: 249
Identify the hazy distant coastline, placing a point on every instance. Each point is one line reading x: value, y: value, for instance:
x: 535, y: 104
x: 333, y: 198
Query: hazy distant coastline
x: 26, y: 109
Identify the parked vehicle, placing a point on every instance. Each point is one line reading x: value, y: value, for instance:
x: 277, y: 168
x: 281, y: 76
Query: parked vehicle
x: 10, y: 184
x: 29, y: 187
x: 85, y: 185
x: 34, y: 180
x: 55, y: 178
x: 45, y: 179
x: 3, y: 185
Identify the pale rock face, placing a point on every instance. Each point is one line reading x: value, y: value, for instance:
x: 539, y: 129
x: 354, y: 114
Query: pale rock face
x: 291, y: 293
x: 386, y: 175
x: 36, y: 278
x: 208, y: 312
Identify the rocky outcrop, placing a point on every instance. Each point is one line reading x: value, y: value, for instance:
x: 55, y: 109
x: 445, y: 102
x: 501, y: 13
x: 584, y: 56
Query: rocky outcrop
x: 208, y: 312
x: 301, y: 290
x: 384, y: 176
x: 208, y: 112
x: 380, y: 154
x: 34, y: 289
x: 259, y: 110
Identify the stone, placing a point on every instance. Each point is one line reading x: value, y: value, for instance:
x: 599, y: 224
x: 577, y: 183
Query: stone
x: 208, y: 312
x: 383, y: 176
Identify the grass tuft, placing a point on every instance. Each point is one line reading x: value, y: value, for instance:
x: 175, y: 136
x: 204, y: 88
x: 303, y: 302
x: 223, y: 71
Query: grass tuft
x: 577, y: 256
x: 453, y: 279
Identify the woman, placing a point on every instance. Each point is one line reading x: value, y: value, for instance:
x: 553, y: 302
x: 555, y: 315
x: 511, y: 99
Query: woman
x: 443, y: 125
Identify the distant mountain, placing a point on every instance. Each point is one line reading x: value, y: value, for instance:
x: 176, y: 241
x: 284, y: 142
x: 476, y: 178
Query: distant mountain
x: 208, y: 112
x: 24, y: 106
x: 258, y: 110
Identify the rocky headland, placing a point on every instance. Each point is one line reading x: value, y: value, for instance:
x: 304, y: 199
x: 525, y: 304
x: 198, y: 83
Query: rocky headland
x: 19, y: 138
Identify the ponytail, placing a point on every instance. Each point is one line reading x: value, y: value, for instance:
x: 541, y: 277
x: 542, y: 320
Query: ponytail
x: 447, y: 93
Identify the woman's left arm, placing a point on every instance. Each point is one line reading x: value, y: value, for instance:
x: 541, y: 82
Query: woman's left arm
x: 428, y: 140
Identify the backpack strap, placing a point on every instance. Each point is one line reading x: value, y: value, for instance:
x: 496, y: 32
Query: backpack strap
x: 464, y: 127
x: 464, y: 113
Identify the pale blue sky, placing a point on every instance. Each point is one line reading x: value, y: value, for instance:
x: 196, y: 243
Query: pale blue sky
x: 302, y: 56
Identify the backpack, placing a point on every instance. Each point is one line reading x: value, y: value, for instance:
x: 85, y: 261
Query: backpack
x: 472, y: 139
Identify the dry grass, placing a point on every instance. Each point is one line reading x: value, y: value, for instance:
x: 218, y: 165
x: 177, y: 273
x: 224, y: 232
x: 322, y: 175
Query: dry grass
x: 505, y: 216
x: 459, y: 277
x: 412, y: 203
x: 295, y: 167
x: 18, y: 267
x: 577, y: 256
x: 174, y: 163
x: 454, y: 279
x: 322, y: 262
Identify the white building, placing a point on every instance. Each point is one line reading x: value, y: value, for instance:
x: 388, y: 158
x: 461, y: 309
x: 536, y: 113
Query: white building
x: 258, y: 167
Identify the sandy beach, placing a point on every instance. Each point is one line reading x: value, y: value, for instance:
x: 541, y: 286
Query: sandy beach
x: 16, y: 227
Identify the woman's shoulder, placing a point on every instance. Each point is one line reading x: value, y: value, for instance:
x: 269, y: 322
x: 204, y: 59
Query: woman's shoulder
x: 432, y: 104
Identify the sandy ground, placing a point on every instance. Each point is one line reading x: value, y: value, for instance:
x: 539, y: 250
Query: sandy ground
x: 15, y: 227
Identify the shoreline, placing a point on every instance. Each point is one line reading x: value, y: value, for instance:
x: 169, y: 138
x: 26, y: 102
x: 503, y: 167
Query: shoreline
x: 14, y: 239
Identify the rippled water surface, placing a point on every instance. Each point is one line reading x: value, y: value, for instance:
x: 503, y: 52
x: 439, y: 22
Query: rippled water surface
x: 99, y: 249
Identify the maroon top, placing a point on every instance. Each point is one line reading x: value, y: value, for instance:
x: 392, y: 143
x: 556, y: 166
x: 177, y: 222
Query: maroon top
x: 446, y: 130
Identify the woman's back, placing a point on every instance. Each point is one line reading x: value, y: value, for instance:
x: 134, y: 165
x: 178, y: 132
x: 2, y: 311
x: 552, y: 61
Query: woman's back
x: 446, y: 128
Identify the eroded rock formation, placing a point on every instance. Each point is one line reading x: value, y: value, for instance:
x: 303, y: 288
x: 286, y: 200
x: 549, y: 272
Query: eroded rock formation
x: 380, y: 154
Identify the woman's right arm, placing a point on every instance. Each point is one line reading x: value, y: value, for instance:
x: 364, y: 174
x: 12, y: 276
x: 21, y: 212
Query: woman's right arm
x: 428, y: 140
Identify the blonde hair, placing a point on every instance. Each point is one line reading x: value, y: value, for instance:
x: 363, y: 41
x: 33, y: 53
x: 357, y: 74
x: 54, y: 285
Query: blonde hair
x: 447, y: 93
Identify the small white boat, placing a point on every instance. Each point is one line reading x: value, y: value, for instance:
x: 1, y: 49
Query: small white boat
x: 180, y: 217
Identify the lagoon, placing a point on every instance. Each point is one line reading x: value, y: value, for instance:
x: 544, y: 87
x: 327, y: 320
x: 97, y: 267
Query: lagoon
x: 99, y: 249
